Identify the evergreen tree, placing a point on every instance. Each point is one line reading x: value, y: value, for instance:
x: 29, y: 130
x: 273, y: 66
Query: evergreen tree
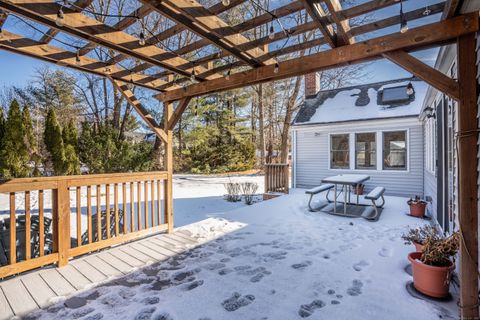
x: 14, y: 154
x: 54, y: 143
x: 70, y: 135
x: 2, y: 129
x: 29, y: 136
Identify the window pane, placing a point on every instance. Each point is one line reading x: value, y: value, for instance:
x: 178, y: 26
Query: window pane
x: 365, y: 151
x: 395, y: 150
x: 339, y: 155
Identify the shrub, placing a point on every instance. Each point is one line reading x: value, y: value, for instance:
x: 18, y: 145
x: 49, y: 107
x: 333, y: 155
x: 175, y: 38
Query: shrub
x: 249, y: 189
x: 233, y: 191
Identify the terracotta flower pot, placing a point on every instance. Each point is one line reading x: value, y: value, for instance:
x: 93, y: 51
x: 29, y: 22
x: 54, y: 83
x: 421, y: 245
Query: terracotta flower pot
x: 418, y: 247
x: 358, y: 189
x: 430, y: 280
x: 417, y: 209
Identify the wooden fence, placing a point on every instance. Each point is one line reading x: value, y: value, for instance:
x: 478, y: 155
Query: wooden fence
x: 52, y: 219
x: 276, y: 177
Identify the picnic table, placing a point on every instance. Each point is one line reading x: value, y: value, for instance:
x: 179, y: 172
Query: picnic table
x: 346, y: 181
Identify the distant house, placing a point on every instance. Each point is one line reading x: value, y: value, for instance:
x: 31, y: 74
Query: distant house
x: 373, y: 129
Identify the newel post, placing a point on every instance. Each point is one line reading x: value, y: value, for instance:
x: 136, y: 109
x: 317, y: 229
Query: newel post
x: 61, y: 232
x: 168, y: 163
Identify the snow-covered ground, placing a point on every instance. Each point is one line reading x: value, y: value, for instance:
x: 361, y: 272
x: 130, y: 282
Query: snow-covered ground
x: 271, y: 260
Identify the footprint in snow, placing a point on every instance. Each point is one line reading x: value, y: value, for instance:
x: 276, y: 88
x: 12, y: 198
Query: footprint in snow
x: 306, y: 310
x: 386, y: 252
x: 356, y: 288
x: 237, y: 301
x: 360, y: 265
x: 301, y: 265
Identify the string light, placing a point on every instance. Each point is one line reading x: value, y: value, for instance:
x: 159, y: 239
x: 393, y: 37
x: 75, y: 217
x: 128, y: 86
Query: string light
x: 410, y: 90
x: 78, y: 62
x: 271, y: 34
x: 427, y: 11
x: 141, y: 40
x: 226, y: 3
x: 192, y: 77
x: 403, y: 21
x: 1, y: 33
x: 276, y: 68
x: 60, y: 18
x: 227, y: 75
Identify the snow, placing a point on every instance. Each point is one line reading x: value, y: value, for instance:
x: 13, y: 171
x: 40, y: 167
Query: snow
x: 271, y: 260
x: 342, y: 106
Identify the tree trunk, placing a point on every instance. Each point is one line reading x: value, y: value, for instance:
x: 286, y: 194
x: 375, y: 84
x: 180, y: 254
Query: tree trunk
x: 287, y: 121
x: 261, y: 136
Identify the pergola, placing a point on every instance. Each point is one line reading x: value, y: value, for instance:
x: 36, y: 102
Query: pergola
x: 250, y: 62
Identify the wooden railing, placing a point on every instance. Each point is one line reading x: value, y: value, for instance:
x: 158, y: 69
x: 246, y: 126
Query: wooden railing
x: 51, y: 219
x: 276, y: 177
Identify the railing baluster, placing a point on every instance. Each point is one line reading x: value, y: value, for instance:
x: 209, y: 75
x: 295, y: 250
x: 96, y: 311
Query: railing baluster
x: 124, y: 203
x: 139, y: 207
x: 159, y: 199
x: 152, y: 202
x: 89, y: 213
x: 115, y: 208
x: 132, y: 209
x: 28, y: 241
x: 79, y: 216
x: 107, y: 209
x: 55, y: 220
x: 41, y: 223
x: 145, y: 204
x: 99, y: 213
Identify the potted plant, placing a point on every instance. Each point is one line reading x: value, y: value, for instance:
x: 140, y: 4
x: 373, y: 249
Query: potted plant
x: 433, y: 266
x: 417, y: 207
x: 418, y: 236
x: 358, y: 189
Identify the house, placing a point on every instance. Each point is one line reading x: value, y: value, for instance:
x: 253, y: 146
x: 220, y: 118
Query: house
x: 371, y: 129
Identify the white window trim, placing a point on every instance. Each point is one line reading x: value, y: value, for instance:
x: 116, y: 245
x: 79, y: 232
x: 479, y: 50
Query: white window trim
x: 355, y: 150
x: 379, y: 141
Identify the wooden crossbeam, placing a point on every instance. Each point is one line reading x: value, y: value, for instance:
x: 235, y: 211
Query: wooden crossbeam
x: 430, y: 75
x: 28, y: 47
x: 139, y: 108
x: 413, y: 39
x: 86, y: 28
x: 451, y: 7
x: 375, y: 25
x: 177, y: 114
x: 201, y: 21
x: 51, y: 33
x: 317, y: 13
x: 343, y: 25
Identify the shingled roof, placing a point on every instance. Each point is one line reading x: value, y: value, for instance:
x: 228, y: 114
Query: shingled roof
x: 361, y: 102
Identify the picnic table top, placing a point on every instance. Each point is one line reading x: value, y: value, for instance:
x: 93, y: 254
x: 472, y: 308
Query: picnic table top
x: 350, y: 179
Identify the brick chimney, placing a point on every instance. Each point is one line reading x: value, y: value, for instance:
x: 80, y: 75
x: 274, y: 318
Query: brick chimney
x: 312, y: 84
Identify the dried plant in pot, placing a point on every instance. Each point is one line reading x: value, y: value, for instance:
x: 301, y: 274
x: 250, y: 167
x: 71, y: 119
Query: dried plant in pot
x: 417, y: 207
x: 358, y: 189
x: 419, y: 235
x: 432, y: 268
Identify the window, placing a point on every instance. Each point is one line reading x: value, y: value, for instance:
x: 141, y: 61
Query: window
x: 395, y: 94
x: 395, y: 150
x: 339, y: 151
x: 365, y: 151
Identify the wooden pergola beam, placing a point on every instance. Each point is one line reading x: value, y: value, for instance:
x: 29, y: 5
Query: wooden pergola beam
x: 202, y: 22
x: 3, y: 17
x: 413, y: 39
x: 317, y: 13
x: 177, y: 114
x: 46, y: 52
x: 343, y: 25
x: 430, y: 75
x: 451, y: 7
x: 89, y: 29
x: 139, y: 108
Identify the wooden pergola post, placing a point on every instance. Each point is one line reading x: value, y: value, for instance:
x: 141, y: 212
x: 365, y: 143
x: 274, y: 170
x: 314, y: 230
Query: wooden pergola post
x: 168, y: 163
x: 467, y: 176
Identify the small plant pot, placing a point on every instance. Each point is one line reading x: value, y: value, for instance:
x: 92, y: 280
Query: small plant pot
x: 418, y: 247
x: 417, y: 209
x: 430, y: 280
x: 358, y: 189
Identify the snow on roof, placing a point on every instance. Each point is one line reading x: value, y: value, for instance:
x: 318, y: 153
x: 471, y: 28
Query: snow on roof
x: 362, y: 102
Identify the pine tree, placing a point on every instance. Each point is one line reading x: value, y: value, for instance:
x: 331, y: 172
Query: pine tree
x: 54, y: 143
x: 70, y: 141
x: 14, y: 153
x: 29, y: 136
x: 70, y: 135
x: 2, y: 128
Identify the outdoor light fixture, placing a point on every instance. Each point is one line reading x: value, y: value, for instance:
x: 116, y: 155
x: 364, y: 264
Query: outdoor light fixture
x: 226, y: 2
x: 60, y: 18
x: 271, y: 34
x: 78, y: 62
x: 275, y: 70
x: 410, y: 90
x: 403, y: 20
x: 192, y: 77
x: 429, y: 112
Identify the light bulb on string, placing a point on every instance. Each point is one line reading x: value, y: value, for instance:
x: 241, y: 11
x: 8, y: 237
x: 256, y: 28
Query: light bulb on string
x: 78, y: 62
x: 427, y: 11
x: 276, y: 68
x: 403, y: 20
x: 60, y: 18
x: 226, y: 3
x: 271, y: 33
x: 410, y: 90
x: 227, y: 75
x: 192, y: 77
x: 141, y: 40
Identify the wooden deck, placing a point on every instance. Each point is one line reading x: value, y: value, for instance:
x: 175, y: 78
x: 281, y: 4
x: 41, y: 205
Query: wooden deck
x: 23, y: 294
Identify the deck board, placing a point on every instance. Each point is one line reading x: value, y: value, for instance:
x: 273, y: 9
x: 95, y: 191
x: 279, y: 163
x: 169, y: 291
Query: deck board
x: 18, y: 297
x: 40, y: 288
x: 5, y: 310
x: 57, y: 282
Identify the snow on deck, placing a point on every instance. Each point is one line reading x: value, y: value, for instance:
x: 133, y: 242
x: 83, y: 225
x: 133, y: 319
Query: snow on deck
x: 273, y: 260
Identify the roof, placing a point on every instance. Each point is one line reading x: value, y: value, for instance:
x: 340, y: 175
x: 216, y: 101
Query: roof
x: 362, y: 102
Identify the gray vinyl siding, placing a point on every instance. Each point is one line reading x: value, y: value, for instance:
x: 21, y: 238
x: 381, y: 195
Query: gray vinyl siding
x: 312, y: 155
x: 430, y: 190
